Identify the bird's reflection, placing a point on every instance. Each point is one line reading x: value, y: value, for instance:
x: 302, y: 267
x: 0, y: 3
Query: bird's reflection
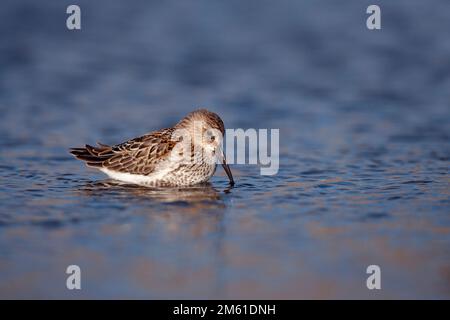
x: 188, y: 220
x: 193, y: 194
x: 189, y: 210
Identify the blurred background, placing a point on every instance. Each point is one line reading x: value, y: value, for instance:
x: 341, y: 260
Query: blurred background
x: 364, y: 149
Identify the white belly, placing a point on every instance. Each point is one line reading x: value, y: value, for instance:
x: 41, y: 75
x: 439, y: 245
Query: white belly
x: 136, y: 178
x: 167, y: 176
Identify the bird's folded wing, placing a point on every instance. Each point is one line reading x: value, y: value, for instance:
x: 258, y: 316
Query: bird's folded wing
x: 141, y: 155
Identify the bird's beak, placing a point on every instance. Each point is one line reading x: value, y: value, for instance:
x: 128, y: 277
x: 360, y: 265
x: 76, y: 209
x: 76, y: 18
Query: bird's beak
x: 227, y: 168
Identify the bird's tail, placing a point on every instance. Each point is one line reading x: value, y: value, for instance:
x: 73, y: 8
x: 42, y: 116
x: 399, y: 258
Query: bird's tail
x: 93, y: 156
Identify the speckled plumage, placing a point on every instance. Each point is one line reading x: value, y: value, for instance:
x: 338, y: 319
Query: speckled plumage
x: 154, y: 159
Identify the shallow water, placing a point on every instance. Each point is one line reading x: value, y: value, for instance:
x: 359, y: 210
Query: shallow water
x: 364, y: 149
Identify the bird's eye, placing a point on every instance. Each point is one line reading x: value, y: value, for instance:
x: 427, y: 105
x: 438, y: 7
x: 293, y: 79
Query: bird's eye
x: 210, y: 136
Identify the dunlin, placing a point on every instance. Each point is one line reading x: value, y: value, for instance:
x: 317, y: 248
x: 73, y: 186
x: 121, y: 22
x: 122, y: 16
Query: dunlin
x: 161, y: 158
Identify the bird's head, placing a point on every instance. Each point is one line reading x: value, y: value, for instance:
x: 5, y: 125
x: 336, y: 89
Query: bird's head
x: 205, y: 129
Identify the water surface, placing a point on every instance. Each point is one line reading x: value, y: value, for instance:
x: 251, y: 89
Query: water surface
x: 364, y: 149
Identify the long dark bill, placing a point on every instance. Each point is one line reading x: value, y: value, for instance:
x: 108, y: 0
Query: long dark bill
x: 227, y: 170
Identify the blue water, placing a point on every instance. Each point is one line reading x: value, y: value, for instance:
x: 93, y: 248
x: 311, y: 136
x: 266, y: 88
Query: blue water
x: 364, y: 149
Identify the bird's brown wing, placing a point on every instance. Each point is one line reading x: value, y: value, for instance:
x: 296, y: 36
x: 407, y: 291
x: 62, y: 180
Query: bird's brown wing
x: 137, y: 156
